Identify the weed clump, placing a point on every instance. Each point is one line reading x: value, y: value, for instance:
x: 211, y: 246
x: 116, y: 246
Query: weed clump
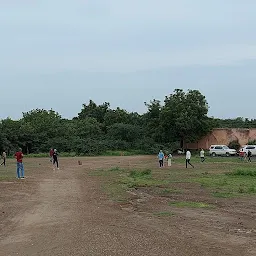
x: 140, y: 174
x: 241, y: 172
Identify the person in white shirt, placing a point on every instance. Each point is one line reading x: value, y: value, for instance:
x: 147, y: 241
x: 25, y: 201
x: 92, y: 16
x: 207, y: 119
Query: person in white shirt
x: 4, y: 158
x: 202, y: 155
x: 169, y: 159
x: 188, y: 158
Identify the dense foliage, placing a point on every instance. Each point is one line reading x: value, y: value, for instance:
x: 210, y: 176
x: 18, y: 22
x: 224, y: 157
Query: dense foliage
x: 97, y: 128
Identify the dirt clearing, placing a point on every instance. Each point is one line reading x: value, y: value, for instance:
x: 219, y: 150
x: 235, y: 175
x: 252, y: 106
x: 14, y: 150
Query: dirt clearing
x: 125, y: 206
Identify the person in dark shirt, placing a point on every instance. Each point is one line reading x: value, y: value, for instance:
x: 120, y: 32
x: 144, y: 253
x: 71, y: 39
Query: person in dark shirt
x: 55, y: 159
x: 20, y: 167
x: 249, y: 155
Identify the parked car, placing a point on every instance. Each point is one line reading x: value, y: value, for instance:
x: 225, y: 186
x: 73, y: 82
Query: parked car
x: 246, y: 148
x: 221, y: 150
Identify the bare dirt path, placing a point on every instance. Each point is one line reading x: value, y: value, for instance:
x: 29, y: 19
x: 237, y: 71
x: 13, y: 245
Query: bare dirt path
x: 66, y: 213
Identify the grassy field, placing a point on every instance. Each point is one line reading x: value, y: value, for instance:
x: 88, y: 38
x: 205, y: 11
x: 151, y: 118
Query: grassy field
x: 209, y: 206
x: 222, y: 177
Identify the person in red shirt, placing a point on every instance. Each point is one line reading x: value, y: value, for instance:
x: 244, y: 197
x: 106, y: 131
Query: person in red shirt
x: 242, y: 155
x: 20, y: 167
x: 51, y: 154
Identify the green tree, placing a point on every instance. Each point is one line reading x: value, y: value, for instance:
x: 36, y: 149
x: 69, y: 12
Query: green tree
x: 94, y: 111
x: 152, y: 122
x: 41, y: 129
x: 88, y: 128
x: 184, y: 116
x: 10, y: 135
x: 116, y: 116
x: 125, y: 132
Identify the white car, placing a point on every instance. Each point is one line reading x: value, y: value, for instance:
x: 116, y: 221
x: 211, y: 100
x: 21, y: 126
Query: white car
x: 221, y: 150
x: 246, y: 148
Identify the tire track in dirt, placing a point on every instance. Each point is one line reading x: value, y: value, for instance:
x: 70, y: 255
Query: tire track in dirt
x: 54, y: 207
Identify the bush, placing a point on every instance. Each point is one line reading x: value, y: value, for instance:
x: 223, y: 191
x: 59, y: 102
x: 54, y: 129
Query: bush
x: 61, y: 154
x: 234, y: 145
x: 252, y: 142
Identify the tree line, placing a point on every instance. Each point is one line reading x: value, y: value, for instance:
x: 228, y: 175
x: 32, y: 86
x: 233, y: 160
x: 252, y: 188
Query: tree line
x: 181, y: 117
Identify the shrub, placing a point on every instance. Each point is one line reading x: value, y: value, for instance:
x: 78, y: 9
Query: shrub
x: 235, y: 145
x: 252, y: 142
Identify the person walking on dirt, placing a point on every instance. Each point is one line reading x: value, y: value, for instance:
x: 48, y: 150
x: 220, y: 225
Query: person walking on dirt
x: 249, y: 155
x: 202, y: 156
x: 20, y: 167
x: 161, y: 158
x: 4, y: 158
x: 188, y: 158
x: 55, y: 159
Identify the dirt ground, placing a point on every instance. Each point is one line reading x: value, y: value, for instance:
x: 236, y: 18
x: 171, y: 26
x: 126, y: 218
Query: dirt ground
x: 67, y: 212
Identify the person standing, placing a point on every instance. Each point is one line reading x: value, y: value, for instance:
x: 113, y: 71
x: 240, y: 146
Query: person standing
x: 249, y: 155
x: 202, y: 155
x: 161, y: 158
x: 242, y: 155
x: 20, y: 167
x: 55, y: 159
x: 188, y: 158
x: 169, y: 159
x: 4, y: 158
x: 51, y: 154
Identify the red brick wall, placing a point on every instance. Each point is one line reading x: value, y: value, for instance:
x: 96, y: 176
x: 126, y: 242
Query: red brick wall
x: 224, y: 137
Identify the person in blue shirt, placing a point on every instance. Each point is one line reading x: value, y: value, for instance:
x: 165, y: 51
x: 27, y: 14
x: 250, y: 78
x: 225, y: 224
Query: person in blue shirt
x: 161, y: 158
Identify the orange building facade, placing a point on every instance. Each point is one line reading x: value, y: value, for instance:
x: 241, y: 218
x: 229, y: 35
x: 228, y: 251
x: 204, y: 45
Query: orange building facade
x: 224, y: 136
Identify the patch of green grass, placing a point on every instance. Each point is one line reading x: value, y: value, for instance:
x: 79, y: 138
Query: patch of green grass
x: 247, y: 190
x: 167, y: 191
x: 163, y: 214
x: 228, y: 184
x: 139, y: 174
x: 192, y: 204
x: 251, y: 189
x: 223, y: 194
x: 105, y: 172
x: 243, y: 172
x: 142, y: 178
x: 117, y: 192
x: 143, y: 182
x: 223, y: 177
x: 115, y: 169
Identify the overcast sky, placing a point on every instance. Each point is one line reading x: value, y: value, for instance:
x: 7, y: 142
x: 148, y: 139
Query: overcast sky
x: 61, y: 53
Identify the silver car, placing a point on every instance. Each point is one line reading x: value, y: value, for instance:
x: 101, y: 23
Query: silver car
x: 221, y: 150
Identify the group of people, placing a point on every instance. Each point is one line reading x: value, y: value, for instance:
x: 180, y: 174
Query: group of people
x: 162, y: 156
x: 20, y: 166
x: 245, y: 156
